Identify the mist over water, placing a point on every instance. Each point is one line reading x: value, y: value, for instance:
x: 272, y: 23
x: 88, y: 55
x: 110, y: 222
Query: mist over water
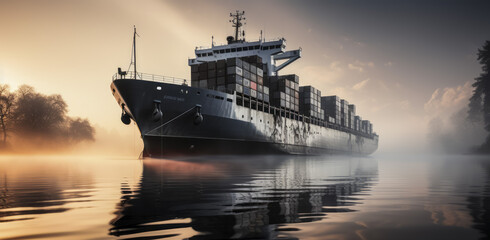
x: 260, y: 197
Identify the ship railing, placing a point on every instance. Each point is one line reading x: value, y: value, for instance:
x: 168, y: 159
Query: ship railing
x: 149, y: 77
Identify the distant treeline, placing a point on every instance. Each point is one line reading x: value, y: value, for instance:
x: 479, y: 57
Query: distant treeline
x: 29, y: 116
x: 479, y: 106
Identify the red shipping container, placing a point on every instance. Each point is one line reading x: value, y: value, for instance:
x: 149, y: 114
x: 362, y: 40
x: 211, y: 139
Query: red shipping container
x: 253, y: 85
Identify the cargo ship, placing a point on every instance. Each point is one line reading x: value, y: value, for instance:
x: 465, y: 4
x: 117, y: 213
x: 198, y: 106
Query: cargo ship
x: 238, y: 103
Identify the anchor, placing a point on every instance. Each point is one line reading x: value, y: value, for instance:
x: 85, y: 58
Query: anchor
x: 157, y: 112
x: 198, y: 116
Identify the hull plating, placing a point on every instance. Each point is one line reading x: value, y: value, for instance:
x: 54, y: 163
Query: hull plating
x: 226, y: 128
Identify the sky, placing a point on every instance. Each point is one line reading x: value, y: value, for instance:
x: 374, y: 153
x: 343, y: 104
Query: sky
x: 402, y: 63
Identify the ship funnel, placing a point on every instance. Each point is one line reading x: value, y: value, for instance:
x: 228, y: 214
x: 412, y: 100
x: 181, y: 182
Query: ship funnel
x: 230, y: 39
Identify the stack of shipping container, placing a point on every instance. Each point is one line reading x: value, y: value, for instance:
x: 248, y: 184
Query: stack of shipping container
x: 331, y: 108
x: 246, y: 77
x: 351, y: 116
x: 366, y: 127
x: 285, y: 91
x: 310, y: 102
x: 357, y: 123
x: 344, y: 114
x: 233, y: 74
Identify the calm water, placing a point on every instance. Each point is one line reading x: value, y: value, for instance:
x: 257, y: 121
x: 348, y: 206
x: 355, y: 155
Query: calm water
x: 267, y: 197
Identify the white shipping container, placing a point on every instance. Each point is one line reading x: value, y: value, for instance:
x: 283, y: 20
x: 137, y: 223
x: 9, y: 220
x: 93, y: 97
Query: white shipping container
x: 246, y: 82
x: 253, y: 93
x: 266, y: 90
x: 260, y: 72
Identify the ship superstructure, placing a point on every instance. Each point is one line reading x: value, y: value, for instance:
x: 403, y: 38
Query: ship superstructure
x: 269, y: 51
x: 237, y: 102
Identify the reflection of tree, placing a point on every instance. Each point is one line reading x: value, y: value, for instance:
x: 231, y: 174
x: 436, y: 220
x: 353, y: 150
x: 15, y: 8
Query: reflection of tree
x: 250, y: 203
x: 4, y: 191
x: 479, y: 206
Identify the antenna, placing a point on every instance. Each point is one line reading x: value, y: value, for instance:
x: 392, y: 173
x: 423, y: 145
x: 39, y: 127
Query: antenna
x: 237, y: 22
x: 212, y: 41
x: 261, y: 35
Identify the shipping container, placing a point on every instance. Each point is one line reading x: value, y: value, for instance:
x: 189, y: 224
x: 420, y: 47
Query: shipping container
x: 266, y: 90
x: 246, y: 91
x: 221, y: 72
x: 222, y: 81
x: 211, y: 65
x: 234, y: 79
x: 235, y: 87
x: 234, y: 62
x: 194, y: 83
x: 203, y: 83
x: 260, y: 80
x: 202, y: 75
x: 194, y: 68
x: 246, y: 66
x: 234, y: 70
x: 221, y: 64
x: 194, y: 76
x: 260, y: 96
x: 253, y: 77
x: 260, y: 72
x: 253, y: 86
x: 260, y: 88
x: 211, y: 73
x: 253, y: 69
x: 246, y: 82
x: 203, y: 67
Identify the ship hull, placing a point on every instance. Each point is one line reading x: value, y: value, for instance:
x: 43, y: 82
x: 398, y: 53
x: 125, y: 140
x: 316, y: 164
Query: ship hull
x: 226, y: 128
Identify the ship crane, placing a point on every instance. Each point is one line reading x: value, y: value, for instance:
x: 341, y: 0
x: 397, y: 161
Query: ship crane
x: 291, y: 56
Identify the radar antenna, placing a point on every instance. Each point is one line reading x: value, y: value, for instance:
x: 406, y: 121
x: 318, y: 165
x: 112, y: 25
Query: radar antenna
x: 237, y: 22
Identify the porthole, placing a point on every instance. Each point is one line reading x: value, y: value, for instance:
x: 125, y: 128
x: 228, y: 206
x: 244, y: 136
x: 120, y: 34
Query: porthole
x: 159, y: 88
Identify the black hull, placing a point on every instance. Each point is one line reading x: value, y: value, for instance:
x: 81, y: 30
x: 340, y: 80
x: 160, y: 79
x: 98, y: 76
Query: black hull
x: 226, y: 127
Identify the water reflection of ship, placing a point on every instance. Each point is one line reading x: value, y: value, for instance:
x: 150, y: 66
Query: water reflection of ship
x: 250, y: 198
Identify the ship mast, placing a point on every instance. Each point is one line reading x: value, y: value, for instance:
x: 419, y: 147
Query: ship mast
x: 237, y: 22
x: 134, y: 51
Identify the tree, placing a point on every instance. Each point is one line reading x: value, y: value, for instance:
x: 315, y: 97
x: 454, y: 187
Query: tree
x: 479, y: 106
x: 38, y: 114
x: 6, y: 105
